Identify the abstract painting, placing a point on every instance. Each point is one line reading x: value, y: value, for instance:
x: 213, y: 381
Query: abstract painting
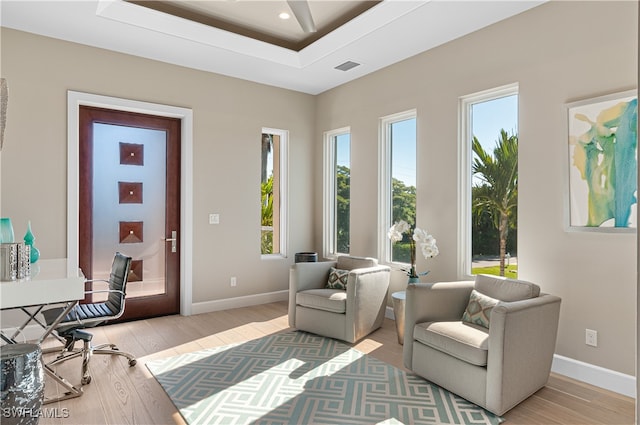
x: 603, y: 163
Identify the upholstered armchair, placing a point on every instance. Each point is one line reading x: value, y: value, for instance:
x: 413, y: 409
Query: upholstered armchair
x: 318, y: 304
x: 490, y: 341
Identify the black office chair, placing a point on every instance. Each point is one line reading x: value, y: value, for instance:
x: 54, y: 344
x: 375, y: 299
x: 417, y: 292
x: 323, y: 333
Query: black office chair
x: 83, y: 316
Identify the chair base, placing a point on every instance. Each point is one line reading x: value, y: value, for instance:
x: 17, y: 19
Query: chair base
x: 70, y: 352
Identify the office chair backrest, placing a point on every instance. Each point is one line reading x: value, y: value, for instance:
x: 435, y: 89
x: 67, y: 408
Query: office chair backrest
x: 118, y: 281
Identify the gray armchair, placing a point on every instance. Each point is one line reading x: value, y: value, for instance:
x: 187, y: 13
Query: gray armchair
x: 348, y: 315
x: 495, y: 367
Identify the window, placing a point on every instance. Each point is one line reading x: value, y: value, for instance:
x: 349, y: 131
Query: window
x: 489, y: 195
x: 337, y: 192
x: 397, y: 189
x: 273, y: 185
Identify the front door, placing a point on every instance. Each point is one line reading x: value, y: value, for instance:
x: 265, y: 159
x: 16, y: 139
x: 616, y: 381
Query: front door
x: 130, y: 202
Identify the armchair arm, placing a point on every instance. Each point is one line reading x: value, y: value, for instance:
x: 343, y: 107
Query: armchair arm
x: 366, y: 299
x: 303, y: 276
x: 432, y: 302
x: 522, y: 340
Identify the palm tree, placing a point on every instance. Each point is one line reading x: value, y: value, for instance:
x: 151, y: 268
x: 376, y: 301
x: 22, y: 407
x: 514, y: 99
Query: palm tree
x: 497, y: 193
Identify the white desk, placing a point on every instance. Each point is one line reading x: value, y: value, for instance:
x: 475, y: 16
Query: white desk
x: 51, y: 282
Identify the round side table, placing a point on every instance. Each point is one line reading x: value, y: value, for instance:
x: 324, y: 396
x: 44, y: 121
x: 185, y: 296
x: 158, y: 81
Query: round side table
x: 398, y: 312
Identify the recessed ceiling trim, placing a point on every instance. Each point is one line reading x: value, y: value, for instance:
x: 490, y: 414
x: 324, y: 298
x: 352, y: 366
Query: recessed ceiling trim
x: 164, y: 23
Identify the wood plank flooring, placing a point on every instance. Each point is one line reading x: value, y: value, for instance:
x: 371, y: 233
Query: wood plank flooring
x: 122, y: 395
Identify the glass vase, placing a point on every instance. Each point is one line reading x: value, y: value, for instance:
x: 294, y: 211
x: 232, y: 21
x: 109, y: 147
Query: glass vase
x: 6, y: 230
x: 28, y: 239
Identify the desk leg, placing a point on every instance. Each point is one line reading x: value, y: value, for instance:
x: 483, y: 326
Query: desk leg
x: 72, y: 391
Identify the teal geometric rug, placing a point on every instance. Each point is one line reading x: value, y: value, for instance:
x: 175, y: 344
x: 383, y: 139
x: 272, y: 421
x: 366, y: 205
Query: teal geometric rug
x: 300, y: 378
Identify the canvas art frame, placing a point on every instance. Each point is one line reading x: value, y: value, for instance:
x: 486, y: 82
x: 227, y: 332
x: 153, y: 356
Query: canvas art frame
x: 602, y: 163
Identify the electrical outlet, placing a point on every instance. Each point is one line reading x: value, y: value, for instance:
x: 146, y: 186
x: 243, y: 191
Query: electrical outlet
x: 214, y: 218
x: 233, y: 281
x: 591, y: 337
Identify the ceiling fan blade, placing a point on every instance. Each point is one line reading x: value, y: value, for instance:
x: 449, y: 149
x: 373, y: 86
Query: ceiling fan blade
x: 300, y: 9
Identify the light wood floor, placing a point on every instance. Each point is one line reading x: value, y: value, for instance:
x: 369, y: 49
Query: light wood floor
x: 119, y: 394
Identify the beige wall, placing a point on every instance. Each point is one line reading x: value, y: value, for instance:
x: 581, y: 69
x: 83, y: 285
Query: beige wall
x: 557, y: 53
x: 228, y: 117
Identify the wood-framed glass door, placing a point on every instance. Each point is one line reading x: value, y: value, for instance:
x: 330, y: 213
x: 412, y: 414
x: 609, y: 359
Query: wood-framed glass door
x: 129, y: 198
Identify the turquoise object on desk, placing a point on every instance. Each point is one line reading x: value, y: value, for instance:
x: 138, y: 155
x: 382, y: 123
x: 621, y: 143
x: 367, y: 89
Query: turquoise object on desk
x: 6, y: 230
x: 28, y: 239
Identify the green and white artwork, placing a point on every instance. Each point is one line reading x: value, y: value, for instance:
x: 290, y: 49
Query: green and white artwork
x: 603, y: 164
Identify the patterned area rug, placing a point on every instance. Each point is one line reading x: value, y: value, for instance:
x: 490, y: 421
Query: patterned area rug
x: 300, y: 378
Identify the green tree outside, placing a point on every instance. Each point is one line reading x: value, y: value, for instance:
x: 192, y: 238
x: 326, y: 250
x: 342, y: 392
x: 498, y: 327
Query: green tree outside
x: 495, y: 199
x: 343, y: 207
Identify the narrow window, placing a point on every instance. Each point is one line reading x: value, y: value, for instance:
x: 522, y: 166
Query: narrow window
x: 337, y: 193
x: 273, y: 183
x: 398, y: 136
x: 489, y: 204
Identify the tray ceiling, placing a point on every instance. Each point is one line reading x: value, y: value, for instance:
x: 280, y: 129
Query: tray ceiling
x: 208, y: 35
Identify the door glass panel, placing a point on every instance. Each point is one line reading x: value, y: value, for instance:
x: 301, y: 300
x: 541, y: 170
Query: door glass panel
x: 129, y: 179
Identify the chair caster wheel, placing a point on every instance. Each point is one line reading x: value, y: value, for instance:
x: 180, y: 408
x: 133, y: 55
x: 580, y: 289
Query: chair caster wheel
x: 86, y: 380
x: 132, y: 362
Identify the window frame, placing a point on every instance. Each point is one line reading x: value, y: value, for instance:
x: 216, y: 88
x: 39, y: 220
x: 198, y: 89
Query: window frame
x: 283, y: 194
x: 329, y: 238
x: 385, y: 201
x: 465, y: 174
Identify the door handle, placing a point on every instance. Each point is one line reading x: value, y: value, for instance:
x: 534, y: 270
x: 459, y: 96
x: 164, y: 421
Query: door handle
x: 174, y: 240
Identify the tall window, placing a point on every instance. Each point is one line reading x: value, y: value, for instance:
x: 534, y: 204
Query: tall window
x: 489, y: 199
x: 273, y: 184
x: 337, y: 192
x: 397, y: 181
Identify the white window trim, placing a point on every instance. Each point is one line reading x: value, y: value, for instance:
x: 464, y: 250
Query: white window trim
x: 329, y: 192
x: 384, y: 182
x: 284, y: 192
x: 465, y: 121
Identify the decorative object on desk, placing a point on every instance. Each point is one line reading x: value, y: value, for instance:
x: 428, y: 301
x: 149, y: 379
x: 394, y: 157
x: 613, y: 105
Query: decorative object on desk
x: 8, y: 261
x: 14, y: 261
x: 6, y: 230
x: 28, y: 239
x: 602, y: 163
x: 22, y: 389
x: 417, y: 238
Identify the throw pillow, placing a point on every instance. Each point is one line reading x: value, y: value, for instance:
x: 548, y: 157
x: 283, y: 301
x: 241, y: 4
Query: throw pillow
x: 337, y: 278
x: 479, y: 309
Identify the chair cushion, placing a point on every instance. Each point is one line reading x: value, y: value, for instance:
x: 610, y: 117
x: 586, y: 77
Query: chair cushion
x: 505, y: 289
x: 333, y: 300
x: 465, y: 341
x: 347, y: 262
x: 478, y: 310
x: 337, y: 278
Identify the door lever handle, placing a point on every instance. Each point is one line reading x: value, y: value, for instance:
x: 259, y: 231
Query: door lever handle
x: 174, y: 240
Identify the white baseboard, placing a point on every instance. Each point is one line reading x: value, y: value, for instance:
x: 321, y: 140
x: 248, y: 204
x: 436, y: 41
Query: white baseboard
x: 595, y: 375
x: 584, y: 372
x: 237, y: 302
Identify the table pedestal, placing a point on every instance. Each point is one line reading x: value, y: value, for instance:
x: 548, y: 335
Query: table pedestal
x: 398, y: 312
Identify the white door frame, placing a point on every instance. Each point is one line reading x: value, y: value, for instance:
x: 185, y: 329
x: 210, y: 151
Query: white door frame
x: 77, y: 99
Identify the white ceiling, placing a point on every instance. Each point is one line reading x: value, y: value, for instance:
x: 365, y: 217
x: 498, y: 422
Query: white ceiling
x: 389, y: 32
